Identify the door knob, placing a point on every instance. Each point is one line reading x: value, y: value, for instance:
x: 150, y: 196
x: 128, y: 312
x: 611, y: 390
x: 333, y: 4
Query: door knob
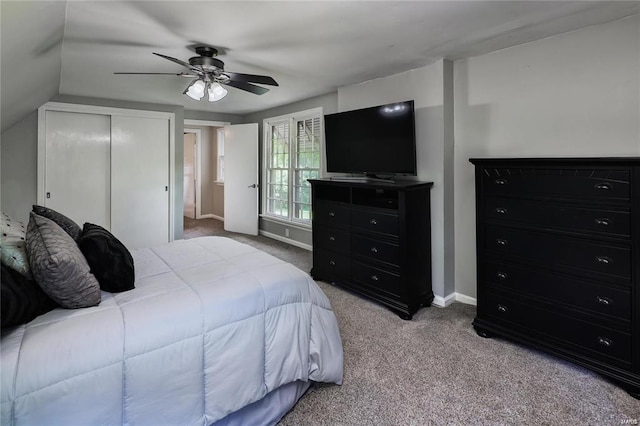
x: 255, y: 185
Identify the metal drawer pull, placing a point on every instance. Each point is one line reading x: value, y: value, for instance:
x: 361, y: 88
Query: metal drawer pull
x: 332, y: 263
x: 500, y: 181
x: 374, y: 250
x: 332, y: 214
x: 501, y: 242
x: 502, y: 308
x: 332, y: 238
x: 604, y: 300
x: 605, y: 186
x: 374, y: 278
x: 605, y: 342
x: 373, y: 222
x: 604, y: 221
x: 501, y: 210
x: 604, y: 260
x: 503, y: 275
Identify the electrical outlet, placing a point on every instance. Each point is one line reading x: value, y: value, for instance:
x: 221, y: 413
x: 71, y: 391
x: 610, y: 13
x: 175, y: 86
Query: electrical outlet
x: 286, y: 232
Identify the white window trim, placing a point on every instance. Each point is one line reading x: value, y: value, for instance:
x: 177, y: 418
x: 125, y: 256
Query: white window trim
x: 266, y: 124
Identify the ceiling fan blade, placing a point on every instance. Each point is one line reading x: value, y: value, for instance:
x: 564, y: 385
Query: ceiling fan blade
x: 247, y: 87
x: 178, y: 61
x: 182, y: 74
x: 251, y: 78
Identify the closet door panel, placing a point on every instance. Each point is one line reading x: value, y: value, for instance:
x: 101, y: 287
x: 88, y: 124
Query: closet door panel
x: 140, y: 180
x: 77, y: 166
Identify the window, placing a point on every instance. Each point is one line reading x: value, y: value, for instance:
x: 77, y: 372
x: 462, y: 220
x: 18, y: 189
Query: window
x: 220, y: 153
x: 292, y: 155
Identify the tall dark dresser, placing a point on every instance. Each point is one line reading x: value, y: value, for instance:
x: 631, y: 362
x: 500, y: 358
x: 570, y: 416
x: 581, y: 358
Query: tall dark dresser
x: 374, y: 239
x: 558, y: 259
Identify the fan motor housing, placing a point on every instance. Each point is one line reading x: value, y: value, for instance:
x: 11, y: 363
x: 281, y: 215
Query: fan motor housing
x: 207, y: 63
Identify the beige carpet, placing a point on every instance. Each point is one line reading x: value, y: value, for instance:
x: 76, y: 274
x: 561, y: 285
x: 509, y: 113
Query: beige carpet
x: 435, y: 370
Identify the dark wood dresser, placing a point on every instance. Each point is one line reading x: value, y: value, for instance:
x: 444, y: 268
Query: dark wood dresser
x: 558, y: 259
x: 374, y: 239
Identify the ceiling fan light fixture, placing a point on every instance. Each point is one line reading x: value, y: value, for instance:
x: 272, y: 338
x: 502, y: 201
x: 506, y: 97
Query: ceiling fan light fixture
x: 196, y: 90
x: 216, y: 92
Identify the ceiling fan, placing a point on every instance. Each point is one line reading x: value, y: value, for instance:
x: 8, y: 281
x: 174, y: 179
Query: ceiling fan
x: 209, y: 76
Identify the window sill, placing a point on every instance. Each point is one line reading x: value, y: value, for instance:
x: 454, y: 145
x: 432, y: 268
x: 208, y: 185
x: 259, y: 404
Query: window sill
x: 289, y: 223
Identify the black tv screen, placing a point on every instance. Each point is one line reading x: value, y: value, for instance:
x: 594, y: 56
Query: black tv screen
x: 378, y: 140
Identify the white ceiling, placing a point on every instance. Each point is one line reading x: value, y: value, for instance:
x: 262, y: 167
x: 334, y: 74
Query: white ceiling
x: 309, y: 47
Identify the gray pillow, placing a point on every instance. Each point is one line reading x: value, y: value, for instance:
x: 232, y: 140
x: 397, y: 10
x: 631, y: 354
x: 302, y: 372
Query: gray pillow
x: 69, y: 226
x: 12, y: 245
x: 58, y: 265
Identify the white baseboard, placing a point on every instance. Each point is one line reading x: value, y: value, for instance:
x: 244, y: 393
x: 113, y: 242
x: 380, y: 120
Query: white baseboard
x: 286, y: 240
x: 443, y: 302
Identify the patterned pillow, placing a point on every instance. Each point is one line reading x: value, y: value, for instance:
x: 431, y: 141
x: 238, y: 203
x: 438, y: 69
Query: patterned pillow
x: 109, y: 259
x: 12, y: 245
x: 22, y: 299
x: 58, y: 266
x: 69, y: 226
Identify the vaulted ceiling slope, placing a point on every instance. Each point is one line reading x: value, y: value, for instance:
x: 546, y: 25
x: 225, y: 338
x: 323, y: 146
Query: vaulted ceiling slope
x: 310, y: 48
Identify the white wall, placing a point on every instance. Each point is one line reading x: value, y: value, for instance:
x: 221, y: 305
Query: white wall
x: 574, y: 95
x: 426, y: 87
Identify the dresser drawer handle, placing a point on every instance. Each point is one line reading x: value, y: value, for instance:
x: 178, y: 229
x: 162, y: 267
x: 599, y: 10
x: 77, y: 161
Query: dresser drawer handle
x: 603, y: 221
x: 501, y: 210
x: 373, y: 221
x: 332, y: 214
x: 503, y: 275
x: 374, y: 278
x: 502, y: 308
x: 501, y: 242
x: 500, y: 181
x: 607, y: 343
x: 374, y: 250
x: 604, y: 260
x: 605, y: 186
x: 332, y: 263
x: 332, y: 238
x: 604, y: 300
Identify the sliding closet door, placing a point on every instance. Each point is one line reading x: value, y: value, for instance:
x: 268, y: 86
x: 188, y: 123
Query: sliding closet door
x: 77, y: 166
x: 140, y: 180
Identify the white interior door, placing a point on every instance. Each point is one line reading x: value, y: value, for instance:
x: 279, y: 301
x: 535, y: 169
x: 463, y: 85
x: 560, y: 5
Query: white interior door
x: 140, y: 180
x: 77, y: 166
x: 189, y: 181
x: 241, y: 178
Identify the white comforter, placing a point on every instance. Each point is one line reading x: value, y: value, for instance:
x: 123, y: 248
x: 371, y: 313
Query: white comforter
x: 212, y: 326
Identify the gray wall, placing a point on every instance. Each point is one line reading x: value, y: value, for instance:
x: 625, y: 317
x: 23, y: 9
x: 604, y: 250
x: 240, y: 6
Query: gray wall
x: 329, y: 104
x: 19, y: 164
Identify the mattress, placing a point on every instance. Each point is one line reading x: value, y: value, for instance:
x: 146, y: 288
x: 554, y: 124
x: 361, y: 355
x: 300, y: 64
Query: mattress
x: 212, y: 326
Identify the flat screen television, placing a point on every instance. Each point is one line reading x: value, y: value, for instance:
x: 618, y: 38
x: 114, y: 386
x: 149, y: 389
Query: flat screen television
x: 377, y: 141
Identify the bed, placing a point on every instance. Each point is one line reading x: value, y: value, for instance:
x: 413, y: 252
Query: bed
x: 214, y: 332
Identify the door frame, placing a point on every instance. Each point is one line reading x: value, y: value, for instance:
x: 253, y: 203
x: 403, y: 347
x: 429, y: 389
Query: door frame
x: 198, y: 161
x: 111, y: 111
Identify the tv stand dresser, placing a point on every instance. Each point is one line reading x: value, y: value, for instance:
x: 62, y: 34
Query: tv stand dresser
x: 558, y: 259
x: 374, y: 239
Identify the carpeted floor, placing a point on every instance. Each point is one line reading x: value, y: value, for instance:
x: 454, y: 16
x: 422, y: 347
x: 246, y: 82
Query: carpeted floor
x: 435, y: 370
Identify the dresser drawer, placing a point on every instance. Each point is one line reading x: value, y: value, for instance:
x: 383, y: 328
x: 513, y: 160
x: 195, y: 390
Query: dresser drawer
x: 376, y: 278
x: 329, y: 265
x: 594, y: 338
x: 594, y: 298
x: 331, y: 213
x: 569, y: 183
x: 558, y: 216
x: 554, y: 251
x: 376, y: 250
x: 332, y: 238
x: 375, y: 221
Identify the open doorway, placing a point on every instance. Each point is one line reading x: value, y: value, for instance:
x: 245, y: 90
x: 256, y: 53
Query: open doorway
x: 203, y: 185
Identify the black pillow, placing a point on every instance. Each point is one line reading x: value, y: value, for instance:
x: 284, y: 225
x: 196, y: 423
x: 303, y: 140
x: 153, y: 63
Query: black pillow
x: 69, y: 226
x: 22, y: 298
x: 109, y: 260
